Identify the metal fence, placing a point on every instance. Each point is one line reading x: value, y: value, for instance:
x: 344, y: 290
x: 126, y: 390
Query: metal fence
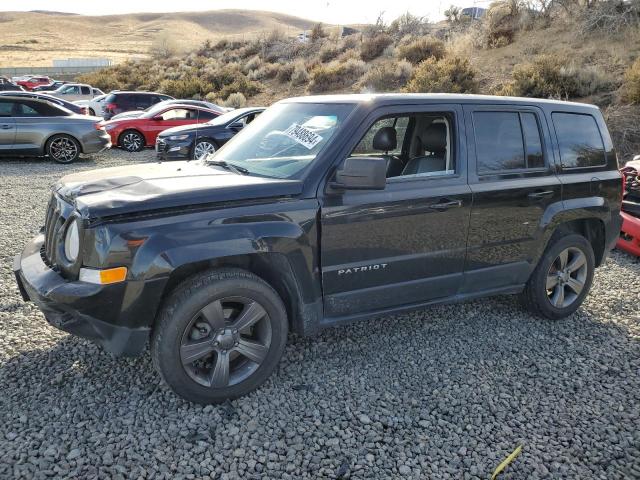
x: 48, y: 71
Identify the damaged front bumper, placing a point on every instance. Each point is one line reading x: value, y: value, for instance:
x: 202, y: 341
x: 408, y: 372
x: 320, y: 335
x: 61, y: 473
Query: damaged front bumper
x: 80, y: 308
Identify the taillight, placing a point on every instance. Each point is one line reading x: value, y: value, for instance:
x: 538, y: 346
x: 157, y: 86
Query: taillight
x: 84, y: 110
x: 99, y: 126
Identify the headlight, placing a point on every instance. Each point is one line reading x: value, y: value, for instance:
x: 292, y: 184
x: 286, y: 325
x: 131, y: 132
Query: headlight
x: 109, y: 127
x: 72, y: 242
x: 178, y: 137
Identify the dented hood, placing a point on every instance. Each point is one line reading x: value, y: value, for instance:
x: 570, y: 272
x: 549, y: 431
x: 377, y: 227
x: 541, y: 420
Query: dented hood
x: 153, y: 186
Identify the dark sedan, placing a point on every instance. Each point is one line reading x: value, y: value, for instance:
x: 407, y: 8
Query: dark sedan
x: 8, y: 86
x: 49, y: 98
x: 198, y: 141
x: 50, y: 87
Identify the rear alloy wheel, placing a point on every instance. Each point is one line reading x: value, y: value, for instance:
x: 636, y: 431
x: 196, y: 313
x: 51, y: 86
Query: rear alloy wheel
x: 63, y: 149
x: 202, y: 149
x: 566, y: 277
x: 219, y: 336
x: 562, y: 278
x: 131, y: 141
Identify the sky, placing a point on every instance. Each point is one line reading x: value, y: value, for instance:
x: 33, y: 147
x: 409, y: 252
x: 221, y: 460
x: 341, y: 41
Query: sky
x: 327, y: 11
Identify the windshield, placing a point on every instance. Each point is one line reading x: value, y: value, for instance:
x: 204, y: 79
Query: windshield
x: 284, y: 139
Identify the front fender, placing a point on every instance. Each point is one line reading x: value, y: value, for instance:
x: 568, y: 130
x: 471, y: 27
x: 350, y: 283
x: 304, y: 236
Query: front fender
x: 155, y: 246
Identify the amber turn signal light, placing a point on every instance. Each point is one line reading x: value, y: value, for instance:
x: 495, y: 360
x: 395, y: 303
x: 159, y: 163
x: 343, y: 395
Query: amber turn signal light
x: 103, y: 277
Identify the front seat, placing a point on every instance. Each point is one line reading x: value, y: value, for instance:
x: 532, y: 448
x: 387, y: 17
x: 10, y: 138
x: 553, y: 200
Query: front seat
x: 385, y: 140
x: 434, y: 141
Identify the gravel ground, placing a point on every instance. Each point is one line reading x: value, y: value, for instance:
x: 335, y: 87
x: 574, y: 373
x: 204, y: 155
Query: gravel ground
x: 446, y: 392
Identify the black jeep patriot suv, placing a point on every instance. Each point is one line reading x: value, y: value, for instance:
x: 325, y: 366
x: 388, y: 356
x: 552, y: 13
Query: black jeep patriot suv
x: 327, y: 210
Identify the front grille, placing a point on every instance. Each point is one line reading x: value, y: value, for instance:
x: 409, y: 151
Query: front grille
x: 161, y: 146
x: 52, y: 225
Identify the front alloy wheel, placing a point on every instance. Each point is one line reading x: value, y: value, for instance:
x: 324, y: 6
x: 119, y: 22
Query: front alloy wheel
x: 219, y: 335
x: 226, y: 342
x: 202, y: 149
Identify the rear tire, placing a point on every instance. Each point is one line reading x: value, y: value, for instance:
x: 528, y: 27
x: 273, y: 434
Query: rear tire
x: 219, y: 335
x: 131, y: 141
x: 561, y: 280
x: 63, y: 149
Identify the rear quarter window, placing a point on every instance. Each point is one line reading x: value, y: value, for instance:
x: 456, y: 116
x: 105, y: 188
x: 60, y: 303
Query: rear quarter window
x: 579, y: 140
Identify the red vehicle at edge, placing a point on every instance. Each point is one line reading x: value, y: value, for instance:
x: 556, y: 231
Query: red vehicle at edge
x: 133, y: 134
x: 629, y: 240
x: 34, y: 82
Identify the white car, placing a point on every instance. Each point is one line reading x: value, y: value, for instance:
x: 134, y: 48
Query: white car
x: 94, y: 106
x: 76, y: 91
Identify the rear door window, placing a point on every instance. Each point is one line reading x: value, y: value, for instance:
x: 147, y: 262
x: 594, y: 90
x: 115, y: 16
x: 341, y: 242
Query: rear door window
x: 85, y: 90
x: 532, y: 140
x: 579, y: 139
x: 507, y: 141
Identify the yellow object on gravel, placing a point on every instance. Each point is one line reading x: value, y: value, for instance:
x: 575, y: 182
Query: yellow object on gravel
x: 506, y: 462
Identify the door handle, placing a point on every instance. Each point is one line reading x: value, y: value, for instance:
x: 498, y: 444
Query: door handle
x: 6, y: 127
x: 540, y: 195
x: 445, y: 204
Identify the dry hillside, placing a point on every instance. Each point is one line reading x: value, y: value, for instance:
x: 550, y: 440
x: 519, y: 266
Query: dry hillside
x: 36, y: 38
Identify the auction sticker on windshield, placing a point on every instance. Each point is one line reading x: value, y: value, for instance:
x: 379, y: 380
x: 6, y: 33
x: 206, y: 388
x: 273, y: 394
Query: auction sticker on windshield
x: 303, y: 136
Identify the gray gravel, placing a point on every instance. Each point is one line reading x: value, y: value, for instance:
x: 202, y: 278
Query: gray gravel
x: 446, y: 392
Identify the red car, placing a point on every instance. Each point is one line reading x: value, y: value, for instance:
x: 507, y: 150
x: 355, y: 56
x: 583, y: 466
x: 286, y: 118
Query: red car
x: 629, y: 240
x: 133, y: 134
x: 34, y: 82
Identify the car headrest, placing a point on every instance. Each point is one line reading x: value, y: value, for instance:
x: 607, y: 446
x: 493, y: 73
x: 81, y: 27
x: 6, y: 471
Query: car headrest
x: 434, y: 138
x: 385, y: 139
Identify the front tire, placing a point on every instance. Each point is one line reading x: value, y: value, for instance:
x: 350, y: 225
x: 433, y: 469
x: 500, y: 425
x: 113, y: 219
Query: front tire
x: 131, y: 141
x: 562, y: 278
x: 63, y: 149
x: 219, y: 336
x: 203, y: 148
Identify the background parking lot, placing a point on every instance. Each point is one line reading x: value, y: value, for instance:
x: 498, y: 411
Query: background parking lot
x: 445, y: 392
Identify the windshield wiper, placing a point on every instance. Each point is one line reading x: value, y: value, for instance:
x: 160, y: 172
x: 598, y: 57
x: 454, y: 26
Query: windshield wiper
x: 229, y: 166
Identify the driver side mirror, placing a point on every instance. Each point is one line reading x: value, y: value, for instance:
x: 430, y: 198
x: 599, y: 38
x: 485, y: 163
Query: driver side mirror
x: 361, y: 173
x: 236, y: 126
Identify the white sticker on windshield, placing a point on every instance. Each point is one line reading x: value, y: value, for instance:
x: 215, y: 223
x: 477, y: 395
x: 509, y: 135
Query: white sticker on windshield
x: 303, y: 136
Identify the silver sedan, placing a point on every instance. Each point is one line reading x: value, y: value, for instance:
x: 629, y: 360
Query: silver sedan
x: 33, y: 127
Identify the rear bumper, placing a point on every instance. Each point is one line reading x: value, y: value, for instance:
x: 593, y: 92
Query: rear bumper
x: 96, y: 143
x: 79, y: 308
